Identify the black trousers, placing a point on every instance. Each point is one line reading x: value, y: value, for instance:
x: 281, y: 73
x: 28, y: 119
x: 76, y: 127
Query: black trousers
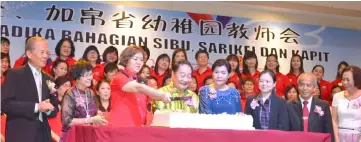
x: 43, y: 134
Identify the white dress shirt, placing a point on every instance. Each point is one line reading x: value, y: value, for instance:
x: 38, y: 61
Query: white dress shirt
x: 38, y: 80
x: 309, y: 103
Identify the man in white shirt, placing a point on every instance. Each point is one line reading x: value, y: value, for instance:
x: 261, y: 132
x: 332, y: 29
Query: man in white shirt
x: 307, y: 113
x: 26, y: 98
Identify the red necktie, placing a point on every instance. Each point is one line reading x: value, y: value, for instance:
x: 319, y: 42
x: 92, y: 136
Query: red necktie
x: 305, y: 116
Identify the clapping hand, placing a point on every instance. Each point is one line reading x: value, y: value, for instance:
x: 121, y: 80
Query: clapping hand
x: 98, y: 120
x: 45, y: 106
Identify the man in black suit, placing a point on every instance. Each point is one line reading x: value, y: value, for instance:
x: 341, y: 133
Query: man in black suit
x: 308, y: 113
x: 26, y: 98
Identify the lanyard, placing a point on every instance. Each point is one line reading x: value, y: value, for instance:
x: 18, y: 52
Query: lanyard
x: 86, y: 103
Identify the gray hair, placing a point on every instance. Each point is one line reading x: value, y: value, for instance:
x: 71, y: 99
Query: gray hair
x: 308, y: 74
x: 29, y: 43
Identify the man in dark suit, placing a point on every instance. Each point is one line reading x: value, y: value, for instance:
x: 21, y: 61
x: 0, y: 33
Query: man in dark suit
x: 26, y: 98
x: 308, y: 113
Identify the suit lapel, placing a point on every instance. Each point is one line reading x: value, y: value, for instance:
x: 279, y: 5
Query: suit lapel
x: 29, y: 77
x: 45, y: 90
x: 257, y: 111
x: 297, y: 106
x: 312, y: 119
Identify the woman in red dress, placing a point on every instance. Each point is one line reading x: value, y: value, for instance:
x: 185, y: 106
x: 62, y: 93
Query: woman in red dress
x: 103, y: 97
x: 161, y: 68
x: 325, y: 86
x: 250, y: 66
x: 296, y: 68
x: 130, y: 98
x: 91, y: 54
x: 62, y: 84
x: 5, y: 65
x: 65, y: 50
x: 340, y: 68
x: 110, y: 55
x: 59, y: 68
x: 235, y: 75
x: 282, y: 81
x: 248, y: 90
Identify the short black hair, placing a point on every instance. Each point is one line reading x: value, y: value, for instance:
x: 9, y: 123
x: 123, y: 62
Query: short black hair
x: 221, y: 62
x: 90, y: 48
x: 154, y: 78
x: 109, y: 67
x: 247, y: 79
x: 271, y: 73
x: 176, y: 66
x: 6, y: 55
x: 108, y: 50
x: 5, y: 40
x: 200, y: 52
x: 323, y: 69
x: 288, y: 89
x: 168, y: 76
x: 79, y: 68
x: 141, y: 70
x: 205, y: 79
x: 58, y: 46
x: 60, y: 81
x: 233, y: 83
x: 336, y: 86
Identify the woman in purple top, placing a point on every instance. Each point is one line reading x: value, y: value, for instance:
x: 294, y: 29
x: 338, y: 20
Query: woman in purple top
x: 79, y: 102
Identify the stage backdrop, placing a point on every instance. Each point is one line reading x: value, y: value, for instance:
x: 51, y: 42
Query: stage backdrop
x: 162, y: 31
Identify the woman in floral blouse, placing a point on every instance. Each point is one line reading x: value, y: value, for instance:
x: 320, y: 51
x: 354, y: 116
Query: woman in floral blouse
x: 79, y: 102
x: 218, y: 97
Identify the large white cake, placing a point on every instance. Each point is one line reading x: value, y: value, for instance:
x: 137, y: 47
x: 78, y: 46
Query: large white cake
x: 203, y: 121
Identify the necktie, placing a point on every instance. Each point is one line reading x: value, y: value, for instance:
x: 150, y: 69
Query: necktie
x: 39, y: 88
x: 305, y: 116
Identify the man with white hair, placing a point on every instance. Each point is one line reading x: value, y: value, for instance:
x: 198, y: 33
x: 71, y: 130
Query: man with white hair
x: 307, y: 113
x: 26, y: 98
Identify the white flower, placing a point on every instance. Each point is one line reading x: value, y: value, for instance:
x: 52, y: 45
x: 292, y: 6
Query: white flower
x: 51, y: 86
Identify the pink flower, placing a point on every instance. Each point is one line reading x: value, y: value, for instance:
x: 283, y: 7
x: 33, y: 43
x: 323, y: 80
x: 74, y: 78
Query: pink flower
x: 212, y: 93
x: 357, y: 103
x: 254, y: 104
x: 318, y: 110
